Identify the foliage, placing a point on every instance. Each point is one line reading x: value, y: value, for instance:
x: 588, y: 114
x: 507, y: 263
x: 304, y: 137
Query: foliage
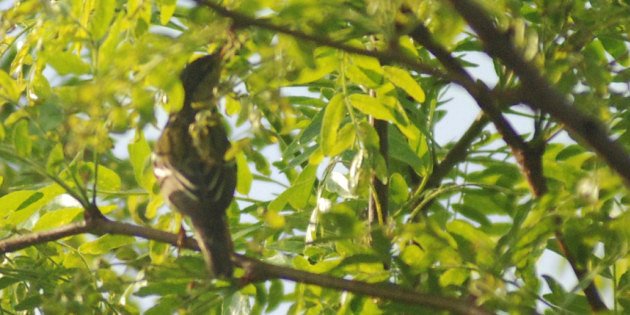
x: 85, y: 87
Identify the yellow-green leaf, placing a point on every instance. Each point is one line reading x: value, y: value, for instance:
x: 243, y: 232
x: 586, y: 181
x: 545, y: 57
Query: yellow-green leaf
x: 65, y: 63
x: 243, y: 174
x: 454, y: 276
x: 8, y: 87
x: 19, y: 206
x: 299, y: 193
x: 57, y: 218
x: 100, y: 20
x: 345, y: 139
x: 232, y: 105
x: 154, y: 205
x: 398, y: 189
x: 369, y: 63
x: 106, y: 179
x: 21, y: 138
x: 140, y: 157
x: 274, y: 220
x: 370, y: 106
x: 105, y: 244
x: 167, y: 8
x: 323, y: 66
x: 333, y: 115
x: 358, y: 76
x: 405, y: 81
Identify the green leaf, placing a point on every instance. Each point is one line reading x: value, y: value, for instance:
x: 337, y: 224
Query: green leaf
x: 29, y: 303
x: 159, y: 251
x: 299, y: 193
x: 345, y: 139
x: 358, y: 76
x: 107, y: 178
x: 167, y: 8
x: 165, y: 305
x: 232, y: 105
x: 140, y: 157
x: 331, y: 122
x: 105, y: 244
x: 405, y: 81
x: 54, y: 164
x: 102, y: 17
x: 323, y: 66
x: 243, y: 174
x: 21, y: 138
x: 57, y: 218
x: 66, y: 63
x: 370, y: 106
x: 454, y: 276
x: 400, y: 150
x: 9, y: 89
x: 36, y: 196
x: 276, y: 293
x: 17, y: 207
x: 398, y: 189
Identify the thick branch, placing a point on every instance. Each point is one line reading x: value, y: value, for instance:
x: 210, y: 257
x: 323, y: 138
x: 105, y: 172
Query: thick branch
x: 540, y: 94
x: 529, y: 158
x: 262, y: 271
x: 478, y: 91
x: 27, y: 240
x: 378, y: 209
x: 590, y: 291
x: 255, y: 269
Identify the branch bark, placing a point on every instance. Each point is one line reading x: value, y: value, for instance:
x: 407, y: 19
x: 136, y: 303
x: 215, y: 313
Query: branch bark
x: 590, y: 290
x: 539, y: 92
x: 528, y: 157
x: 255, y: 270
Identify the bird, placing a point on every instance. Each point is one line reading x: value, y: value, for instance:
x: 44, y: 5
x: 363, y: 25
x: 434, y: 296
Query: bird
x: 190, y: 165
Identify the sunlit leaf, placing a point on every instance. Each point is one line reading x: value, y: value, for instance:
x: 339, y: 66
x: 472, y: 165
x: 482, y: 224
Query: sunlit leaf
x: 140, y: 156
x: 57, y: 218
x: 333, y: 115
x: 243, y: 174
x: 298, y: 194
x: 105, y: 244
x: 100, y: 20
x: 66, y: 63
x: 405, y: 81
x: 22, y: 139
x: 370, y: 106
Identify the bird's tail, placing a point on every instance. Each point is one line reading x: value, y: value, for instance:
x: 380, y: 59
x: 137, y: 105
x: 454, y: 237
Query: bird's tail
x: 215, y: 243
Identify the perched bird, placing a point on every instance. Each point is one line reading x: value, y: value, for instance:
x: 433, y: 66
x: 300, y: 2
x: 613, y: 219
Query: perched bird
x: 191, y: 168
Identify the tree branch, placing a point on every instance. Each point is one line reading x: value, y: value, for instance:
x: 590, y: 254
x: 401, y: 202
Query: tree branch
x: 255, y: 270
x: 540, y: 94
x: 386, y: 56
x: 528, y: 157
x: 263, y: 271
x: 590, y: 291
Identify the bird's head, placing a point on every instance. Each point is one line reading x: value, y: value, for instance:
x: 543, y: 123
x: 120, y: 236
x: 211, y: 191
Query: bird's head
x: 201, y: 77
